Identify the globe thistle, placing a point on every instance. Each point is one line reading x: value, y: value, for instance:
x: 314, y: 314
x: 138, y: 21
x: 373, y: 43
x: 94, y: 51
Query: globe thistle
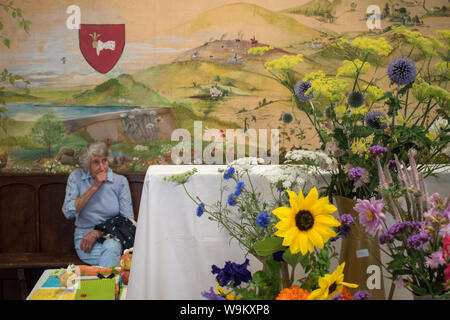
x: 355, y: 99
x: 300, y: 89
x: 376, y: 120
x: 402, y: 71
x: 287, y: 117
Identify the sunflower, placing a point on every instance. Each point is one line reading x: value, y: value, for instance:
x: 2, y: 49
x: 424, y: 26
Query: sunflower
x: 307, y: 223
x: 331, y: 285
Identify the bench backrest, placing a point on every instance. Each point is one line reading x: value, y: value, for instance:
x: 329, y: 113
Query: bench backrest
x: 31, y: 219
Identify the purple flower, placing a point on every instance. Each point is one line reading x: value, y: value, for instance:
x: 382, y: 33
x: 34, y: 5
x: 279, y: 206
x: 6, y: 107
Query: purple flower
x: 300, y: 89
x: 377, y: 151
x: 200, y: 209
x: 416, y: 241
x: 356, y: 173
x: 402, y: 70
x: 370, y: 214
x: 361, y: 295
x: 262, y: 220
x: 239, y: 187
x: 278, y: 256
x: 346, y: 218
x: 211, y: 295
x: 376, y: 120
x: 228, y: 173
x: 401, y: 226
x: 386, y: 238
x: 391, y: 164
x: 232, y: 199
x: 339, y: 296
x: 232, y: 272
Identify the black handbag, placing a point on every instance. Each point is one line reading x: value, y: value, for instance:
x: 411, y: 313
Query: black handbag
x: 118, y: 228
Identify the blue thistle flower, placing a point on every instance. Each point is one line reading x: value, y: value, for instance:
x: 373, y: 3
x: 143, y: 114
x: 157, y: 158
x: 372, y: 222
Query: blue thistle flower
x: 287, y: 117
x: 376, y: 120
x: 402, y: 71
x: 300, y: 89
x: 355, y: 99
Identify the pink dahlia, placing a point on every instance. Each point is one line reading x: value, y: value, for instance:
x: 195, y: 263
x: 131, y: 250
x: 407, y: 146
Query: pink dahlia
x: 370, y: 214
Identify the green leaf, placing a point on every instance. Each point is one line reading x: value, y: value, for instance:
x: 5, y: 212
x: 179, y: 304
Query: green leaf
x: 268, y: 246
x: 1, y: 25
x: 6, y: 42
x: 291, y: 259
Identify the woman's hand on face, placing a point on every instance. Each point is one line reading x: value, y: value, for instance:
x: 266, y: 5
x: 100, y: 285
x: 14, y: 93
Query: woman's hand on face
x: 89, y: 239
x: 100, y: 178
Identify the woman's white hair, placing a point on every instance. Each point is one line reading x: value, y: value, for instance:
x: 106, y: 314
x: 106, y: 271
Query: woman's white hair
x: 97, y: 148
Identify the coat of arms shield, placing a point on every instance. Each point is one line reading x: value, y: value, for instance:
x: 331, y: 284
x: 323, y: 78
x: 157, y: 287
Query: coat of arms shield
x: 102, y: 44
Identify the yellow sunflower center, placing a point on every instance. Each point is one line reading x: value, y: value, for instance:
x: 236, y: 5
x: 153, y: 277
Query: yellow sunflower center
x: 304, y: 220
x: 369, y: 215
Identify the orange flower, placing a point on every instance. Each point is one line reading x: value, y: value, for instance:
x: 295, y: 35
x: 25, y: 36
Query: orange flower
x: 293, y: 293
x: 346, y: 295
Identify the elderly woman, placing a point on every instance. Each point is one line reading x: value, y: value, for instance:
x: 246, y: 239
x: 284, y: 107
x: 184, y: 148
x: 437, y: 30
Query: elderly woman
x: 95, y: 194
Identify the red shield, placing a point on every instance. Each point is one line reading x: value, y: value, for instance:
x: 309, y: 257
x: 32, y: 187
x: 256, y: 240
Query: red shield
x: 102, y: 44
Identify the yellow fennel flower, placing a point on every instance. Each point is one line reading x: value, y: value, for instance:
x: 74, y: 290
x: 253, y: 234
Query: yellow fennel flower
x: 361, y: 111
x: 331, y: 88
x: 307, y: 223
x: 379, y: 46
x: 331, y: 285
x: 350, y: 68
x: 373, y: 94
x: 341, y: 110
x: 445, y: 34
x: 285, y: 63
x: 260, y: 51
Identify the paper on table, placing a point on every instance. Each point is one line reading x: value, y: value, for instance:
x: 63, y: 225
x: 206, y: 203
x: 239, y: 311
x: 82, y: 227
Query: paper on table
x: 68, y: 296
x: 51, y: 282
x: 103, y: 289
x: 46, y: 294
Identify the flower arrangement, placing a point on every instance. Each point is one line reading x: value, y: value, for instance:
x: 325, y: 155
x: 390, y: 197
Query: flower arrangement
x: 356, y: 120
x: 293, y: 229
x: 418, y: 240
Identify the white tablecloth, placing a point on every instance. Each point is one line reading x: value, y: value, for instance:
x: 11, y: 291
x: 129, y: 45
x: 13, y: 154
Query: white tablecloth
x: 174, y: 249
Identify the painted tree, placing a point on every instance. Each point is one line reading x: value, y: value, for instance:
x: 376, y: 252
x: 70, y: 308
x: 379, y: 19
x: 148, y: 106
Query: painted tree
x: 48, y: 131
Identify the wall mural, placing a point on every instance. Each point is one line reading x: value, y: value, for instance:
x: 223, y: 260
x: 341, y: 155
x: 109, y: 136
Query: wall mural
x: 131, y: 72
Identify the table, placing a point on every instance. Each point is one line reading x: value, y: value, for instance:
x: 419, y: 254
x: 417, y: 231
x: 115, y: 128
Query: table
x: 65, y: 294
x: 174, y: 249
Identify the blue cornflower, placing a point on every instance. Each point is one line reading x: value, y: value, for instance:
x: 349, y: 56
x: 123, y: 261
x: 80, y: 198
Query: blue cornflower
x: 228, y: 173
x: 402, y: 70
x: 262, y: 220
x: 239, y: 187
x: 237, y: 273
x: 300, y: 89
x: 232, y: 199
x: 200, y: 209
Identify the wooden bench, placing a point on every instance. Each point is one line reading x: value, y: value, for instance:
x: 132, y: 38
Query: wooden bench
x: 34, y: 233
